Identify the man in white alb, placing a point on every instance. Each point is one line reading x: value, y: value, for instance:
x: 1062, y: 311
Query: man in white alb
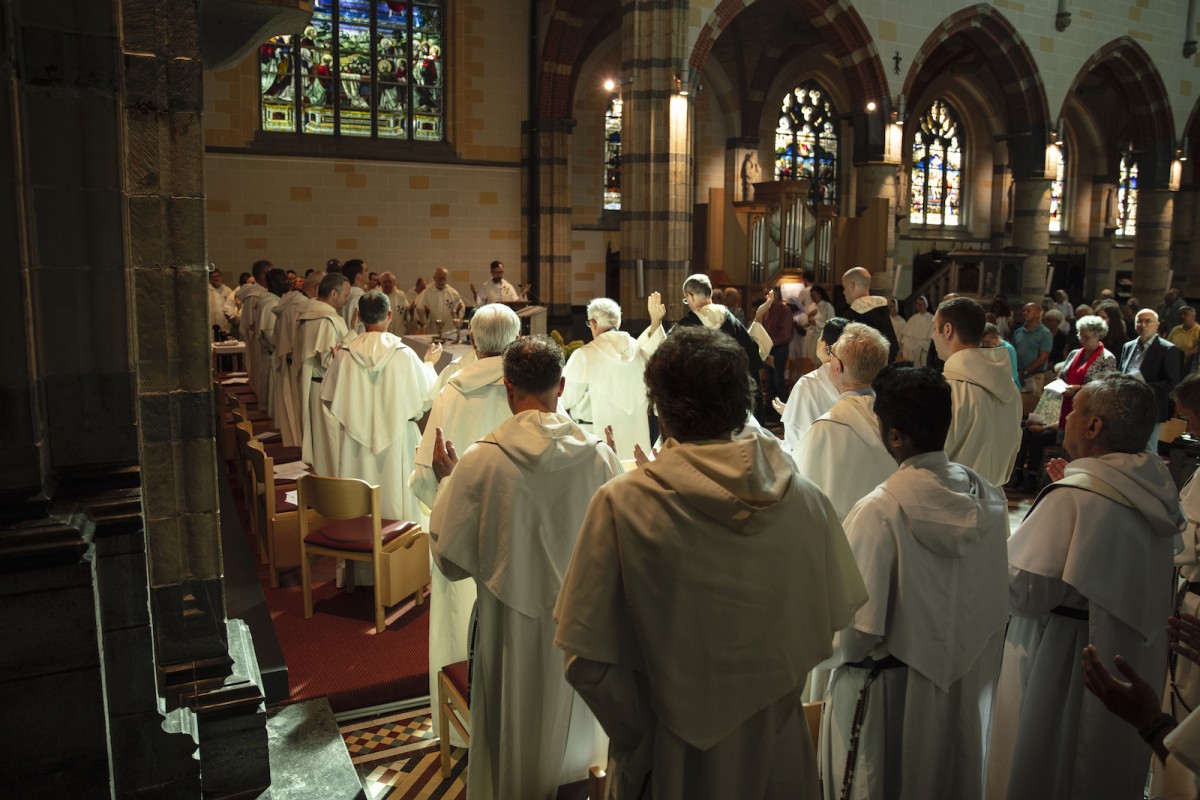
x: 221, y: 308
x: 842, y: 453
x: 472, y: 405
x: 921, y: 657
x: 497, y: 290
x: 287, y: 410
x: 276, y: 282
x: 604, y: 377
x: 814, y: 393
x: 355, y: 271
x: 250, y: 294
x: 377, y: 389
x: 399, y: 302
x: 439, y: 305
x: 508, y: 517
x: 985, y: 431
x: 321, y: 330
x: 1091, y: 564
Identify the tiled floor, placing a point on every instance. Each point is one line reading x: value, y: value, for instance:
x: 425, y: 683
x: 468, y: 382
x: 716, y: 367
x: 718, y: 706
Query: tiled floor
x: 397, y: 758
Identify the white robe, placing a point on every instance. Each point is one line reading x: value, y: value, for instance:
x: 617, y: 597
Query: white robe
x: 472, y: 405
x: 985, y: 429
x: 434, y: 304
x: 491, y: 292
x: 605, y: 386
x: 348, y: 310
x: 221, y: 308
x: 813, y: 395
x: 931, y: 545
x: 843, y: 454
x: 378, y: 389
x: 286, y: 411
x: 898, y: 325
x: 1079, y: 549
x: 264, y: 338
x: 1176, y: 780
x: 251, y: 293
x: 818, y: 315
x: 918, y: 333
x: 399, y: 301
x: 692, y: 612
x: 321, y: 329
x: 509, y: 517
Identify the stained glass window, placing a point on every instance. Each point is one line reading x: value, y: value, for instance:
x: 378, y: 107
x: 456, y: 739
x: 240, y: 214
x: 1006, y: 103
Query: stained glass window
x: 1127, y: 194
x: 937, y: 159
x: 806, y: 144
x: 612, y: 155
x: 364, y: 68
x: 1057, y: 222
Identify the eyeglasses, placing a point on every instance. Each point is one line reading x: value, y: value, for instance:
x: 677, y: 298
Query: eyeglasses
x: 829, y: 352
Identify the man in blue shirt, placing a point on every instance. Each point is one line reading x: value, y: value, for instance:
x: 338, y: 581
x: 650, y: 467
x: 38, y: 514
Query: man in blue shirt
x: 1032, y: 341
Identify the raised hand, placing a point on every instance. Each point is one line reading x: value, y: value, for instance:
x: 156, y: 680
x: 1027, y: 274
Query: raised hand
x: 608, y: 438
x: 445, y: 459
x: 639, y: 455
x: 1056, y: 468
x: 433, y: 353
x: 654, y: 305
x: 1136, y: 702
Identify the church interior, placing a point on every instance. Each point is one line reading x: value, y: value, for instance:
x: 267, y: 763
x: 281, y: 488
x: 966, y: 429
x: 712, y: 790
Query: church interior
x: 1005, y: 147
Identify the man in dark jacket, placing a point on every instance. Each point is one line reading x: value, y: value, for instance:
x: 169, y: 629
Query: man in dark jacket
x: 869, y: 310
x: 702, y: 311
x: 1159, y: 363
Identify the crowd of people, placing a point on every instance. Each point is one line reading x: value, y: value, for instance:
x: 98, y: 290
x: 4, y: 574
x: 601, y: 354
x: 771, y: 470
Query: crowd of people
x: 660, y: 582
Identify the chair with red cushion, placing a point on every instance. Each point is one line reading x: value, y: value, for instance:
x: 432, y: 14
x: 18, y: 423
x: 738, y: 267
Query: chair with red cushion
x: 454, y: 707
x: 397, y: 551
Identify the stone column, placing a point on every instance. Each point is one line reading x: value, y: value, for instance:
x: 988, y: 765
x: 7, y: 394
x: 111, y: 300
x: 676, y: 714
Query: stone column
x: 553, y: 214
x: 1031, y: 233
x: 1185, y: 255
x: 1002, y: 205
x: 1100, y: 271
x: 656, y: 156
x: 880, y: 180
x: 1152, y: 244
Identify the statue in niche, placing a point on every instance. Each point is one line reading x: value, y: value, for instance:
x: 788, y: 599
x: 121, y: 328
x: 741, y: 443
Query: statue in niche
x: 750, y: 174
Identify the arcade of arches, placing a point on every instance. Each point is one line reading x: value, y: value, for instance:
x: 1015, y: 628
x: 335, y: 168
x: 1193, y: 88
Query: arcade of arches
x: 1005, y: 138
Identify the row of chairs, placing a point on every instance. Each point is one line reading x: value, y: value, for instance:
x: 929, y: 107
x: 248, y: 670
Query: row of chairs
x: 335, y: 517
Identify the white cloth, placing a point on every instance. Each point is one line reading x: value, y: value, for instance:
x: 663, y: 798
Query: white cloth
x: 434, y: 304
x: 898, y: 325
x: 472, y: 405
x: 492, y: 292
x: 1176, y: 780
x: 818, y: 315
x: 843, y: 454
x: 931, y: 545
x: 378, y: 389
x: 321, y: 328
x: 286, y: 410
x: 812, y: 395
x: 221, y: 308
x: 694, y: 560
x: 450, y: 370
x: 1079, y: 549
x: 251, y: 293
x: 264, y: 339
x: 1183, y: 744
x: 399, y: 300
x: 352, y: 322
x: 918, y: 333
x: 508, y: 517
x: 985, y: 429
x: 605, y: 386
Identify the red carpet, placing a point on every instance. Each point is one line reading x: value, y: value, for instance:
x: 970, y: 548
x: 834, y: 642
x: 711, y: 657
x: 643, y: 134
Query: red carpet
x: 337, y: 653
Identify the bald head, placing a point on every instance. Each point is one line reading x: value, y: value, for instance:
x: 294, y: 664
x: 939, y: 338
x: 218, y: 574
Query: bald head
x: 857, y: 283
x: 440, y: 276
x: 312, y: 282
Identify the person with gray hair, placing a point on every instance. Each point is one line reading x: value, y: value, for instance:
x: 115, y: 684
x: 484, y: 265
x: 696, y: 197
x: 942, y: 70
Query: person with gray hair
x: 321, y: 330
x: 1156, y: 361
x: 1090, y: 563
x: 842, y: 452
x: 472, y: 404
x: 287, y: 411
x: 702, y: 311
x: 604, y: 377
x: 508, y: 514
x: 378, y: 389
x: 399, y: 302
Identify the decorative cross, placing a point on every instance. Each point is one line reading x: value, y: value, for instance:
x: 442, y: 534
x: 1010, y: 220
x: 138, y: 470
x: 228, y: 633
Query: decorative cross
x: 896, y: 59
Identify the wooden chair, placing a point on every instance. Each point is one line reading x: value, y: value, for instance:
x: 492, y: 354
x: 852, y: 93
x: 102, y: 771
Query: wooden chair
x: 453, y: 707
x: 245, y: 436
x: 397, y: 551
x: 278, y: 520
x: 812, y: 715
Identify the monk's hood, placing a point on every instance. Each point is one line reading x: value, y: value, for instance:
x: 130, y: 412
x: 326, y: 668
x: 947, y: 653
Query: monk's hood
x: 712, y: 315
x: 374, y: 350
x: 949, y: 507
x: 540, y: 442
x: 618, y: 346
x: 988, y: 368
x: 290, y: 299
x: 1139, y: 477
x: 480, y: 375
x: 864, y: 304
x: 857, y: 412
x: 737, y: 484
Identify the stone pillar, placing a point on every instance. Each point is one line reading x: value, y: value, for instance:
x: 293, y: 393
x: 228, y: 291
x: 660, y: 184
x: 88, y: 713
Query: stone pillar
x: 1002, y: 205
x: 553, y: 214
x: 656, y: 156
x: 880, y: 180
x: 1031, y: 233
x: 1101, y: 266
x: 1152, y: 244
x: 1185, y: 255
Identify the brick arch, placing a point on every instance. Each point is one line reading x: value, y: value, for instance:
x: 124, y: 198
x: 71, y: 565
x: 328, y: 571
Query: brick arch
x: 842, y: 28
x: 1140, y: 86
x: 1012, y: 64
x: 566, y: 45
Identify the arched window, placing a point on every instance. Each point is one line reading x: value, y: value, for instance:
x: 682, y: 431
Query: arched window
x: 1057, y: 222
x: 806, y: 144
x: 1127, y: 194
x: 937, y: 158
x: 612, y: 155
x: 366, y: 68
